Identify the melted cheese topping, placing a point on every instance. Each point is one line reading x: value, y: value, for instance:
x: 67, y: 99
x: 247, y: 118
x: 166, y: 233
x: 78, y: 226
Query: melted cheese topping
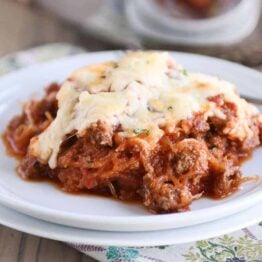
x: 145, y: 91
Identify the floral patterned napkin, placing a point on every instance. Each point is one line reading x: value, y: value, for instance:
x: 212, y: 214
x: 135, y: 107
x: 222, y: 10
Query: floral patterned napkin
x: 242, y: 246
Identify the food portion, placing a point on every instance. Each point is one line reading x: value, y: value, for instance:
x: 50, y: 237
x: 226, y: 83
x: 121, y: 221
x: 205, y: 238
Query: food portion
x: 202, y: 7
x: 141, y: 128
x: 197, y: 9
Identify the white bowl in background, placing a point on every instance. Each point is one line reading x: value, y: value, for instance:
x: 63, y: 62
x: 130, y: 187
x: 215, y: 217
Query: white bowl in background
x: 233, y: 33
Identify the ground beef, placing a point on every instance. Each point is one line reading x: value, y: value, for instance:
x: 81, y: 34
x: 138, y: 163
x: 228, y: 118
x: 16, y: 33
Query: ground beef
x: 160, y: 195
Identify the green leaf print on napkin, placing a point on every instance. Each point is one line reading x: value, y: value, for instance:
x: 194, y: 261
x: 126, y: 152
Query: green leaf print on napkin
x: 226, y: 249
x: 121, y: 252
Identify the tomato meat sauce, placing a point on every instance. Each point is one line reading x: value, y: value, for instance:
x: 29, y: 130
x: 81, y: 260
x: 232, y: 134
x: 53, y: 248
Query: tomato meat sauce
x: 196, y: 159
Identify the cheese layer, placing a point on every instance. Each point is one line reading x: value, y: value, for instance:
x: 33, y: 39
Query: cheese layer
x: 141, y: 91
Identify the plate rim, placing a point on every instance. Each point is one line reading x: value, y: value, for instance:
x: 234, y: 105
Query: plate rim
x: 57, y: 232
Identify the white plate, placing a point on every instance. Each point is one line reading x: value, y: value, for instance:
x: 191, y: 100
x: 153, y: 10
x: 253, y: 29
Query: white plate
x: 44, y: 201
x: 149, y: 29
x: 13, y: 219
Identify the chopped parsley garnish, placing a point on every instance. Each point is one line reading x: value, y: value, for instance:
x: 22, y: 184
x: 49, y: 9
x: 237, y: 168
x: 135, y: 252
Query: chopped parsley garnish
x: 170, y: 108
x: 139, y: 131
x: 184, y: 72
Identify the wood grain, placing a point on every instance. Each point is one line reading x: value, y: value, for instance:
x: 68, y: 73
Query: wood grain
x: 28, y: 248
x: 23, y: 27
x: 16, y: 246
x: 57, y: 251
x: 10, y: 243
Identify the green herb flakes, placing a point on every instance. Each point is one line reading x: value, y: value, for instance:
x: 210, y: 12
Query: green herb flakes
x: 184, y: 72
x: 139, y: 131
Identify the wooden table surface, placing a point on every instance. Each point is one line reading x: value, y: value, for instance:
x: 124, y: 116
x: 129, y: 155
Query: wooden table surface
x: 19, y: 29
